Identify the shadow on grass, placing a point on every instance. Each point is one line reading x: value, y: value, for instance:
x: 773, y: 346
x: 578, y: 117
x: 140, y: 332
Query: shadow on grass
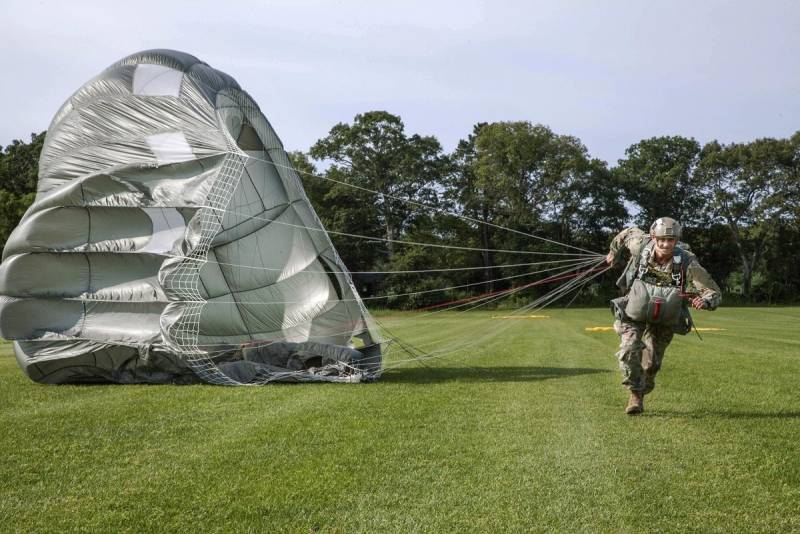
x: 717, y: 414
x: 428, y: 375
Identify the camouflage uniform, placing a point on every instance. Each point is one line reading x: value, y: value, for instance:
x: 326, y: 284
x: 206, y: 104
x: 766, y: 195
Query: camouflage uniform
x: 642, y: 345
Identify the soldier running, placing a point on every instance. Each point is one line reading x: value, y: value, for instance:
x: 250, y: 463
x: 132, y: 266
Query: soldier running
x: 662, y: 278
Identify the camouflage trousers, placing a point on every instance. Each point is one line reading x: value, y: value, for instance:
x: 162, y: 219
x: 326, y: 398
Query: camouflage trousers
x: 641, y: 351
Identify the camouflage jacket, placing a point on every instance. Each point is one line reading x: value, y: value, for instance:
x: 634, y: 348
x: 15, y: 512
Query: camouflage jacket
x: 698, y: 279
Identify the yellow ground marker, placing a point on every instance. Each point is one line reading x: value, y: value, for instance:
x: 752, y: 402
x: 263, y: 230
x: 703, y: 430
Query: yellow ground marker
x: 611, y: 328
x: 520, y: 317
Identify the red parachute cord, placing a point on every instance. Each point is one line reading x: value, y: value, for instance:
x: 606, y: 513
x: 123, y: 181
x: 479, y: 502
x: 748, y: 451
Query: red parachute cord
x: 553, y: 278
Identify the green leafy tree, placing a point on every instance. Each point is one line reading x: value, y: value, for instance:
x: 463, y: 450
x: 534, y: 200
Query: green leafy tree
x: 375, y: 153
x: 427, y: 285
x: 545, y: 182
x: 780, y: 281
x: 745, y: 184
x: 315, y: 187
x: 19, y: 169
x: 789, y: 184
x: 657, y: 175
x: 476, y: 198
x: 716, y: 249
x: 527, y: 178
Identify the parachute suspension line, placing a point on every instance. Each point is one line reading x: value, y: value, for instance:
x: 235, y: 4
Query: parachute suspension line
x: 423, y: 205
x: 548, y: 299
x: 555, y: 291
x: 404, y: 345
x: 578, y: 292
x: 412, y: 271
x: 537, y: 305
x: 402, y: 242
x: 508, y: 292
x: 497, y: 295
x: 573, y: 285
x: 442, y: 353
x: 544, y: 300
x: 380, y: 297
x: 417, y: 353
x: 486, y: 300
x: 447, y: 340
x: 475, y: 303
x: 571, y: 267
x: 577, y: 282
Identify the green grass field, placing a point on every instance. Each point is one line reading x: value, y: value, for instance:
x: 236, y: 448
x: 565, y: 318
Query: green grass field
x: 527, y: 432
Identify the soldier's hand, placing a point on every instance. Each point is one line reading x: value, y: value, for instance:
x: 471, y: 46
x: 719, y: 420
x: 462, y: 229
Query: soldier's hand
x: 610, y: 258
x: 699, y: 303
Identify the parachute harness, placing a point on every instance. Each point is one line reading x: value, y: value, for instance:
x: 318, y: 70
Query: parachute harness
x: 644, y: 268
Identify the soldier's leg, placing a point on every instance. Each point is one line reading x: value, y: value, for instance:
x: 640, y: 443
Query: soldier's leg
x: 656, y: 340
x: 630, y: 353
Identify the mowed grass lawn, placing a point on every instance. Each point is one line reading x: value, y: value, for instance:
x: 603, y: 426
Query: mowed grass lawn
x: 525, y: 432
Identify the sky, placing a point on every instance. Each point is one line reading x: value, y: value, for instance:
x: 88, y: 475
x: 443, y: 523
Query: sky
x: 608, y: 72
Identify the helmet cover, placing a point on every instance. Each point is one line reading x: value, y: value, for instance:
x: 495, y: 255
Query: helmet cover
x: 666, y: 227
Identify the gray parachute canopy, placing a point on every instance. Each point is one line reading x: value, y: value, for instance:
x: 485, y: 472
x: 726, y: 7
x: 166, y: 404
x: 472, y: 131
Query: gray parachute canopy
x: 171, y: 240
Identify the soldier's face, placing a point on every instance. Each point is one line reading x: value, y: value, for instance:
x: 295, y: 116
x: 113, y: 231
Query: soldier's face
x: 664, y: 246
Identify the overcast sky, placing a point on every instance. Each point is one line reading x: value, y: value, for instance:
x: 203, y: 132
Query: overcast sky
x: 608, y: 72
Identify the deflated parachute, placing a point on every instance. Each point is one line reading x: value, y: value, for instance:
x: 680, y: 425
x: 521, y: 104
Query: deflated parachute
x: 171, y: 241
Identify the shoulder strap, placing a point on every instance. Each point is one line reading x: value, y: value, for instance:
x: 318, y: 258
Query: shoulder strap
x: 677, y: 268
x: 680, y: 262
x: 644, y: 257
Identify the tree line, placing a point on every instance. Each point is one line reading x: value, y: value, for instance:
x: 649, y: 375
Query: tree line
x: 739, y: 204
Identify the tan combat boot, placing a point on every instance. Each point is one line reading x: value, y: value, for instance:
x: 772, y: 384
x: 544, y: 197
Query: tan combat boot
x: 635, y: 403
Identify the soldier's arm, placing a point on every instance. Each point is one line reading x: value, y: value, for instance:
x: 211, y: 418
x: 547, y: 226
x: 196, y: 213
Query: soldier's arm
x: 705, y: 285
x: 629, y: 239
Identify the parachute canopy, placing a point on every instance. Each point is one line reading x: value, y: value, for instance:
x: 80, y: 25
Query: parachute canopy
x: 171, y: 240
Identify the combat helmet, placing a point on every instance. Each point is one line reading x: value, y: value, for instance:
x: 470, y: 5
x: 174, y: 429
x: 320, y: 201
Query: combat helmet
x: 666, y: 227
